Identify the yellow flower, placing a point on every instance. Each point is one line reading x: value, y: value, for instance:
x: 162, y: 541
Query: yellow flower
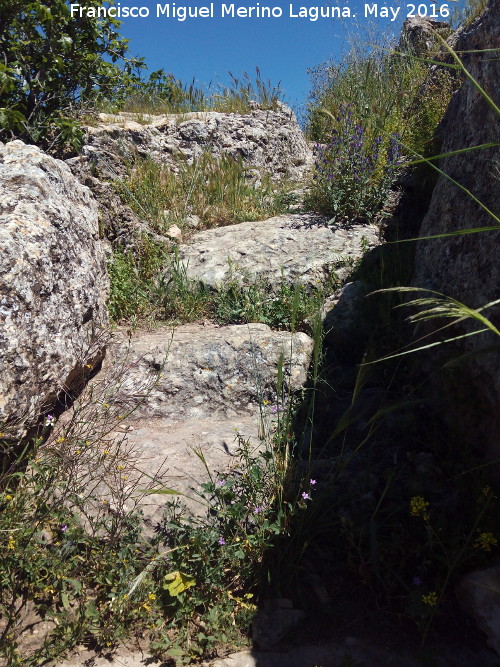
x: 61, y: 439
x: 106, y: 452
x: 430, y: 599
x: 125, y: 596
x: 151, y: 596
x: 119, y: 467
x: 419, y: 507
x: 8, y: 497
x: 12, y: 543
x: 486, y: 541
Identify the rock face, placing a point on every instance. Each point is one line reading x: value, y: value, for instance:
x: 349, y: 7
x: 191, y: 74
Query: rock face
x: 265, y: 140
x: 466, y: 267
x: 296, y: 247
x: 418, y: 35
x: 202, y: 386
x: 53, y: 282
x: 479, y: 594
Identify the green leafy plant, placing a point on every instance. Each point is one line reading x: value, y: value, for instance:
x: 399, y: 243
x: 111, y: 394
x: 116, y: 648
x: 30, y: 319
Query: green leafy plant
x: 217, y: 190
x: 353, y: 175
x: 53, y: 63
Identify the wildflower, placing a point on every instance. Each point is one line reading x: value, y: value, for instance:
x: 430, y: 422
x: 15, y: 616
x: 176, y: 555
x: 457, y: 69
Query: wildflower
x: 221, y: 541
x: 486, y: 541
x: 416, y: 581
x: 419, y: 507
x: 63, y: 527
x: 221, y: 482
x: 312, y: 482
x: 8, y: 497
x: 430, y: 599
x: 305, y: 496
x: 257, y: 510
x: 125, y: 596
x: 50, y: 420
x: 61, y: 439
x: 119, y: 467
x: 151, y: 596
x: 12, y: 543
x: 106, y: 452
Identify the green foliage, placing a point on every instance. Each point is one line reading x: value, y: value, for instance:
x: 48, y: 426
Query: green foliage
x: 383, y: 90
x: 357, y: 109
x: 53, y: 63
x: 163, y: 94
x: 133, y: 276
x: 68, y: 547
x: 218, y: 190
x: 352, y: 173
x: 152, y: 284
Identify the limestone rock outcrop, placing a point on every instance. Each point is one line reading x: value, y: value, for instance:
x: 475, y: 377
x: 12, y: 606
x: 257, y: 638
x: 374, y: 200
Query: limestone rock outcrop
x: 296, y: 247
x: 196, y: 388
x: 466, y: 267
x: 270, y: 141
x: 53, y: 283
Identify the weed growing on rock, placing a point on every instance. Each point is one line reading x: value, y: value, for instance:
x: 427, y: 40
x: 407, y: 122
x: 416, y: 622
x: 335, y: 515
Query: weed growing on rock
x: 71, y: 532
x: 353, y: 174
x: 220, y: 191
x: 153, y: 285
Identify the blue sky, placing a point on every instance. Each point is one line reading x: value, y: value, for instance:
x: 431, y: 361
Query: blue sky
x: 283, y: 48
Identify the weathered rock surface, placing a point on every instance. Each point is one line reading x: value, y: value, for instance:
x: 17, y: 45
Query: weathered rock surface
x: 419, y: 35
x: 479, y: 594
x: 53, y: 281
x: 466, y: 267
x: 266, y: 140
x: 201, y: 387
x: 119, y: 224
x: 297, y: 248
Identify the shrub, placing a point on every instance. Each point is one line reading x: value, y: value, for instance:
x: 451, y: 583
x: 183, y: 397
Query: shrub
x: 51, y: 64
x: 353, y: 173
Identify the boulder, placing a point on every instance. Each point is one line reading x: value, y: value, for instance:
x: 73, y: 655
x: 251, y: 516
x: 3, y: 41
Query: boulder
x: 466, y: 266
x: 296, y: 247
x: 192, y: 388
x: 53, y: 284
x: 266, y: 140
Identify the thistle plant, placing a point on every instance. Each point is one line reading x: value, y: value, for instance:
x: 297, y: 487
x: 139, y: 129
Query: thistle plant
x: 353, y: 172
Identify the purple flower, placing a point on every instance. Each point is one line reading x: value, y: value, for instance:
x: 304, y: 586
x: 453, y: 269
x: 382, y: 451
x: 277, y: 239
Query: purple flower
x: 312, y: 482
x: 416, y: 581
x: 221, y: 541
x: 221, y: 482
x: 50, y: 420
x: 63, y: 527
x: 305, y: 496
x: 257, y: 510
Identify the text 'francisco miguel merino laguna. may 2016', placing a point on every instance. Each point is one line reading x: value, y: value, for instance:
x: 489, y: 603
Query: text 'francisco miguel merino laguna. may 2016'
x: 257, y: 11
